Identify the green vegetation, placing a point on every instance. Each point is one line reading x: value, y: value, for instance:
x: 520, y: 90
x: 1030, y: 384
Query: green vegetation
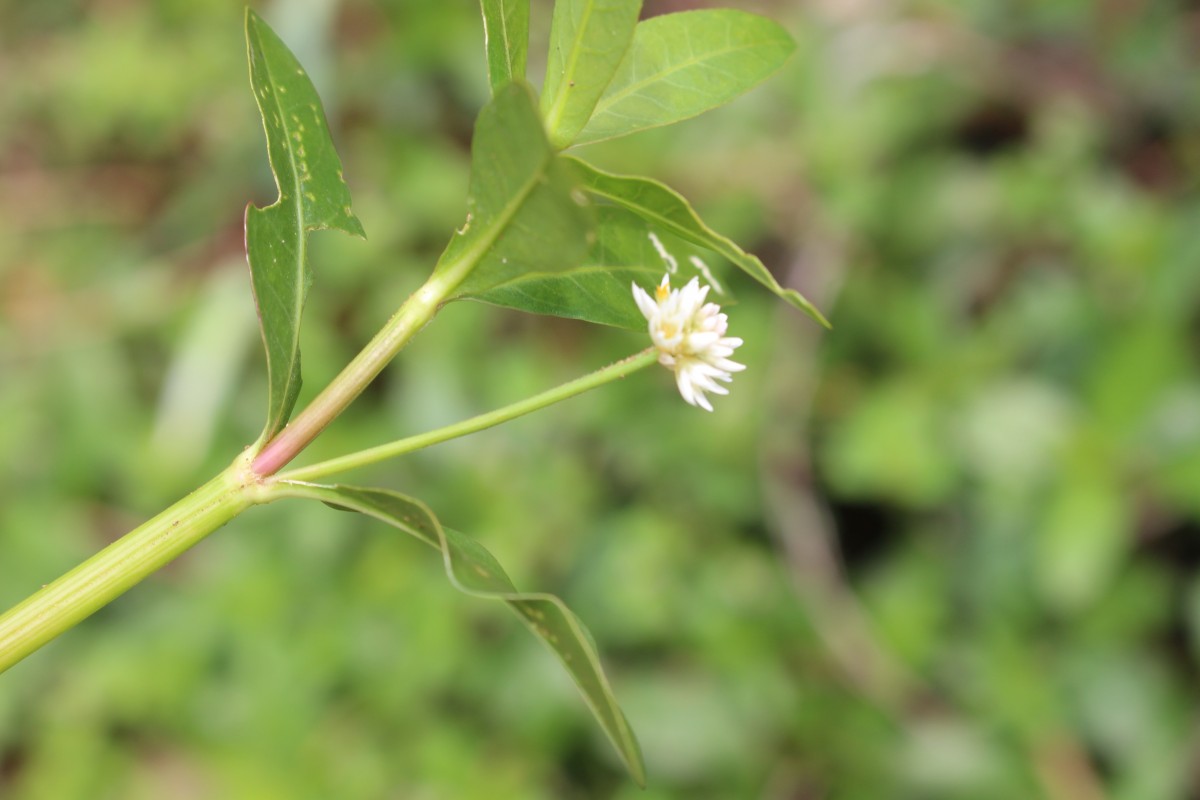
x: 946, y: 550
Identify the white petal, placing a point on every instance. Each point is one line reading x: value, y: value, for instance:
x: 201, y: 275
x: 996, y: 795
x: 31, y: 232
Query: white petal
x: 728, y: 366
x: 711, y: 372
x: 707, y: 384
x: 688, y: 297
x: 702, y: 341
x: 689, y: 334
x: 684, y: 382
x: 645, y: 303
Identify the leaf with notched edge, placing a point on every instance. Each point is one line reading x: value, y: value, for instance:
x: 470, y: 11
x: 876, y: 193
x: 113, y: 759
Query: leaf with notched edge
x: 312, y: 195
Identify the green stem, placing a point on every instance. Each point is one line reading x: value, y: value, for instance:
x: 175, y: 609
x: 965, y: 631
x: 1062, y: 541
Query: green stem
x: 59, y: 606
x: 409, y: 319
x: 559, y: 393
x: 98, y: 581
x: 455, y: 265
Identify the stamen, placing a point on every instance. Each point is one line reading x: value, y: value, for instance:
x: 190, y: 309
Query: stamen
x: 691, y: 340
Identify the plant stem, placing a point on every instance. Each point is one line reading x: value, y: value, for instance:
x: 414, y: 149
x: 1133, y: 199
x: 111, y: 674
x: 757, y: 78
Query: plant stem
x: 409, y: 319
x: 455, y: 265
x: 59, y: 606
x: 567, y: 390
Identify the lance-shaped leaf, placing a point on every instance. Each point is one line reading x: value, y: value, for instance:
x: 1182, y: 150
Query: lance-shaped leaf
x: 665, y: 208
x: 588, y: 39
x: 524, y: 210
x: 473, y: 570
x: 625, y: 250
x: 312, y: 195
x: 505, y: 40
x: 681, y: 65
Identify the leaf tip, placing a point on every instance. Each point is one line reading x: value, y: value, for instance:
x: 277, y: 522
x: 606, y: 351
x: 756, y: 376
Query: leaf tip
x: 253, y: 20
x: 353, y: 225
x: 799, y: 301
x: 637, y: 771
x: 790, y: 40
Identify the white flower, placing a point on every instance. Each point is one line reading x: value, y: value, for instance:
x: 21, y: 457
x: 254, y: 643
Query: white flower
x: 690, y: 337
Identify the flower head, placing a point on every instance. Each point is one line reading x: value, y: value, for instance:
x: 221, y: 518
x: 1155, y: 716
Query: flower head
x: 690, y: 337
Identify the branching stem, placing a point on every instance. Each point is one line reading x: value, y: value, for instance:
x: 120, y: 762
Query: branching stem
x: 59, y: 606
x: 409, y: 319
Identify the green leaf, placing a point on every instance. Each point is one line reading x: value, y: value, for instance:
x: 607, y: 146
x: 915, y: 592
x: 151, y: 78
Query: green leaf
x: 524, y: 210
x: 312, y: 195
x: 625, y: 251
x: 473, y: 570
x: 665, y: 208
x: 588, y: 39
x: 505, y: 40
x: 684, y: 64
x: 1082, y: 541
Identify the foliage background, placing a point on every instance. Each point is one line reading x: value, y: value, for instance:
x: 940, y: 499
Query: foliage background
x: 947, y: 550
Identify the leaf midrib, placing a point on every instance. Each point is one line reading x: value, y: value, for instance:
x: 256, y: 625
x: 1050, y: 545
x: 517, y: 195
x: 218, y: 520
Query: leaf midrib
x: 608, y: 101
x: 297, y: 204
x: 492, y: 232
x: 509, y: 55
x: 671, y: 223
x: 527, y: 277
x: 553, y: 118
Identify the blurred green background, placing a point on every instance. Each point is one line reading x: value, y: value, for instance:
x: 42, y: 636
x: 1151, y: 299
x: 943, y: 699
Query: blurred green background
x: 948, y: 550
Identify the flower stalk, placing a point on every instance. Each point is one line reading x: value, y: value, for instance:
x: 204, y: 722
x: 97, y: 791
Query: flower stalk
x: 59, y: 606
x: 407, y: 322
x: 481, y: 422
